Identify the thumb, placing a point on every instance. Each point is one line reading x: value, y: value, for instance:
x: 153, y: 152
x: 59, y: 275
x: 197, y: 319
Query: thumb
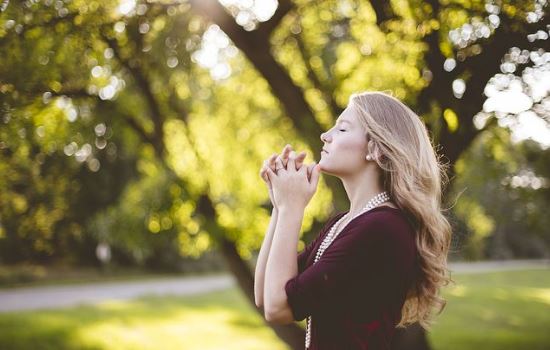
x: 315, y: 174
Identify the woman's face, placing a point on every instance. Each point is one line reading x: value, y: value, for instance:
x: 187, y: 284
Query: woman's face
x: 345, y: 145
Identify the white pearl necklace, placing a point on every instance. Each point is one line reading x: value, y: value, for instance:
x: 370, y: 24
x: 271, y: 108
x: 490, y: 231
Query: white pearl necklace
x: 329, y: 238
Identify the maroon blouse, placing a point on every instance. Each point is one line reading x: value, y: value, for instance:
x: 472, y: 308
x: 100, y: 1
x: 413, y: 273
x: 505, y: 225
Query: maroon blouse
x: 355, y: 292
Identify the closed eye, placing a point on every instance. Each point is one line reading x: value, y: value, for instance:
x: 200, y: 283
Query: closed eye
x: 342, y: 130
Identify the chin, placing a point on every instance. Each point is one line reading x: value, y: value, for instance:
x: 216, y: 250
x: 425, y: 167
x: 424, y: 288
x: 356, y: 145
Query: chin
x: 324, y: 169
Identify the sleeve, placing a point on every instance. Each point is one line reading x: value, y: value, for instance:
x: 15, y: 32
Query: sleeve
x: 302, y: 257
x: 312, y: 290
x: 354, y: 260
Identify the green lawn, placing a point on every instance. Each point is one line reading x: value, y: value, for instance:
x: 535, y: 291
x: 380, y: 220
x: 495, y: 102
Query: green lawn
x: 219, y: 320
x: 504, y: 310
x: 499, y: 310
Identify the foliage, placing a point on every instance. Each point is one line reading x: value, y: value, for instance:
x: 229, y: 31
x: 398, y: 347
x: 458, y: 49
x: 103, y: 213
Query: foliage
x: 169, y: 111
x: 502, y: 187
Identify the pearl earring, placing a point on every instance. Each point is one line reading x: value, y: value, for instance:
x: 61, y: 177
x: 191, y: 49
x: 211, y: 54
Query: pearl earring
x: 369, y: 158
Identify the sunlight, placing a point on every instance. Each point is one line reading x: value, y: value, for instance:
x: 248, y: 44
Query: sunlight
x: 531, y: 126
x: 511, y: 101
x: 458, y: 291
x: 520, y: 102
x: 248, y: 13
x: 541, y: 295
x: 126, y: 6
x: 215, y: 52
x: 186, y: 328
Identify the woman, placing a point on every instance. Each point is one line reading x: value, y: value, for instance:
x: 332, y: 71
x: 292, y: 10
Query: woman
x: 379, y: 265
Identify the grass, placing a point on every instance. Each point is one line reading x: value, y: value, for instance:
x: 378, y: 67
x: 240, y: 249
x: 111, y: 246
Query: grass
x: 498, y: 310
x: 218, y: 320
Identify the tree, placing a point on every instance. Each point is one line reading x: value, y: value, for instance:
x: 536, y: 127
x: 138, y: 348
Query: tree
x: 505, y: 188
x: 301, y: 64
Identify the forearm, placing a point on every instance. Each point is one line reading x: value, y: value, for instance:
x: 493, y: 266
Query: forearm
x: 282, y: 263
x: 259, y: 275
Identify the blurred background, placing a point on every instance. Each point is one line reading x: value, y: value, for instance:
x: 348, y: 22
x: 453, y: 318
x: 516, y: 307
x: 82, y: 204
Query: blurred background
x: 132, y: 134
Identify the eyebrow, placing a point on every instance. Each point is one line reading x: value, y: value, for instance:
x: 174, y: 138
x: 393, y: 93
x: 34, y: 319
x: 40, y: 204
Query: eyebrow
x: 343, y: 121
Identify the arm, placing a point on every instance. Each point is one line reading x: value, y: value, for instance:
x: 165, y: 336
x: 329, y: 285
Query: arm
x: 282, y: 265
x: 259, y: 275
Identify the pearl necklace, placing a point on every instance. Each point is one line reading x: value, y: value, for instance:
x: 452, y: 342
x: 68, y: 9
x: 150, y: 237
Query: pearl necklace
x: 329, y: 238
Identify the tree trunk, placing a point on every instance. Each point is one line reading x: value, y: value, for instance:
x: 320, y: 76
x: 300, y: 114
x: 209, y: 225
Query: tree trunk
x: 293, y: 335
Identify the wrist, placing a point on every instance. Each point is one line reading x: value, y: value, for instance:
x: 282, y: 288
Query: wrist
x: 290, y: 209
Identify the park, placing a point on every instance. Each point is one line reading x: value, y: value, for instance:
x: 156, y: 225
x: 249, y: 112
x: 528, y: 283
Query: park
x: 132, y: 134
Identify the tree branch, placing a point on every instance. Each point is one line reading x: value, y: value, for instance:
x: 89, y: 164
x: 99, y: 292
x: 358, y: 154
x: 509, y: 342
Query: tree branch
x: 143, y: 84
x: 82, y: 93
x: 256, y: 47
x: 383, y: 11
x: 314, y: 78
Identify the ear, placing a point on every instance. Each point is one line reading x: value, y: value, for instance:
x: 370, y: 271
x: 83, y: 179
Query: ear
x: 373, y: 149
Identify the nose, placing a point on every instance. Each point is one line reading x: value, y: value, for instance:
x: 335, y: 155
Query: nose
x: 324, y: 136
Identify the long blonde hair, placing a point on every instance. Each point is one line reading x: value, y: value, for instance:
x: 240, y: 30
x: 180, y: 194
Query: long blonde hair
x: 413, y: 176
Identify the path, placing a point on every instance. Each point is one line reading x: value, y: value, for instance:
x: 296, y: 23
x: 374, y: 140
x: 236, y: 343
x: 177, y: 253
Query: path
x: 48, y: 297
x: 53, y: 297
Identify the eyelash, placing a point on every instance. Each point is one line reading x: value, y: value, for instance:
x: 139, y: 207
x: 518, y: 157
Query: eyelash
x: 342, y: 129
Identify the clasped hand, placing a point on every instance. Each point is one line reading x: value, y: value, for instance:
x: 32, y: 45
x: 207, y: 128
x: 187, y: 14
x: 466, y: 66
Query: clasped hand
x: 290, y: 184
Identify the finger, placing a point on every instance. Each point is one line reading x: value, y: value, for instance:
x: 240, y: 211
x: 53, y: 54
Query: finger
x: 271, y: 175
x: 279, y: 165
x: 303, y: 170
x: 272, y: 161
x: 286, y: 149
x: 315, y: 175
x: 265, y: 177
x: 285, y: 154
x: 300, y: 159
x: 272, y: 157
x: 291, y: 165
x: 267, y: 180
x: 309, y: 170
x: 263, y: 171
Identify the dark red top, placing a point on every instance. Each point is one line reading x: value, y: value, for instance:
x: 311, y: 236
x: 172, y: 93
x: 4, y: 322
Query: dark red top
x: 355, y: 292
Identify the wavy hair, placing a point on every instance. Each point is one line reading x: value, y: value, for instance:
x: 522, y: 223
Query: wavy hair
x: 414, y: 176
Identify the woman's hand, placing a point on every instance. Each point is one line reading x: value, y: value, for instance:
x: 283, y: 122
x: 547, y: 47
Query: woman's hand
x: 271, y: 163
x: 291, y: 186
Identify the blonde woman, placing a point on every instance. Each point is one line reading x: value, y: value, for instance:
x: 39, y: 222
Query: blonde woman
x: 379, y: 265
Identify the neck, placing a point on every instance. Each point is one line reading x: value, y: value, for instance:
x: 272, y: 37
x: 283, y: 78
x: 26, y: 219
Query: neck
x: 361, y: 189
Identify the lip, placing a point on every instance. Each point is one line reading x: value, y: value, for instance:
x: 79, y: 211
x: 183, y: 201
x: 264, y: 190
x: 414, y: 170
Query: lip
x: 324, y: 150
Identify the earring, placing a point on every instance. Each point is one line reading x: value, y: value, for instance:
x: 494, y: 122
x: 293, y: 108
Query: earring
x: 369, y: 158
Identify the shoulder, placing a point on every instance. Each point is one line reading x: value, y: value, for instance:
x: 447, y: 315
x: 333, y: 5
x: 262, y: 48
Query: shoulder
x: 384, y: 223
x: 384, y: 234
